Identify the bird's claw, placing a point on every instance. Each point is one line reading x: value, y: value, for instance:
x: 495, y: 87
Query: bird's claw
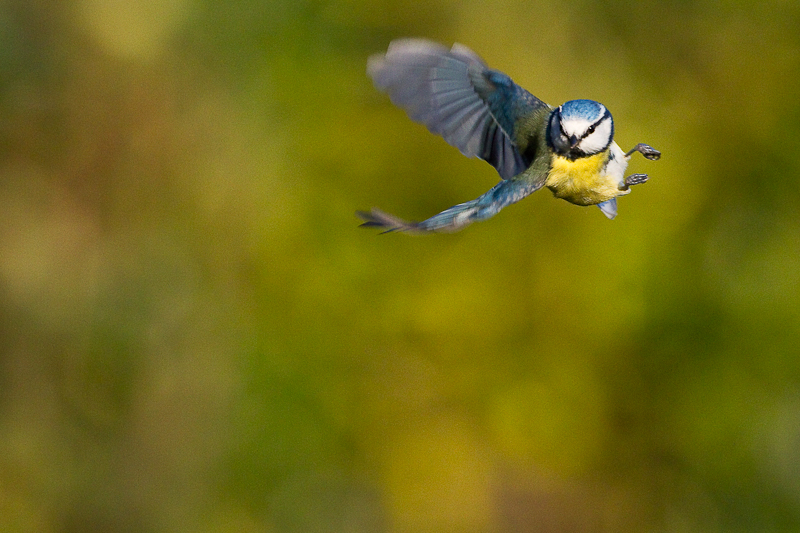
x: 646, y: 150
x: 635, y: 179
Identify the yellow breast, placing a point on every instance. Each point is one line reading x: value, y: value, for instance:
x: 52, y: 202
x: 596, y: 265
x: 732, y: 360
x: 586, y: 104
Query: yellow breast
x: 583, y: 181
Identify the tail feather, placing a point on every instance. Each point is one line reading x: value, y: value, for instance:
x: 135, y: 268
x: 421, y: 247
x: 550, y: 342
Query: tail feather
x: 448, y: 221
x: 376, y: 218
x: 457, y: 217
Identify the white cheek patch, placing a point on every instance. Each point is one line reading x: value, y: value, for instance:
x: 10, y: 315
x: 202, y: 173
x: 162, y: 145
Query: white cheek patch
x: 597, y: 141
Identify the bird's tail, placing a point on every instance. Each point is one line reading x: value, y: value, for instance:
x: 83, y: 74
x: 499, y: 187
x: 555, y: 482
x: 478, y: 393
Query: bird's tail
x: 457, y: 217
x: 448, y: 221
x: 375, y: 218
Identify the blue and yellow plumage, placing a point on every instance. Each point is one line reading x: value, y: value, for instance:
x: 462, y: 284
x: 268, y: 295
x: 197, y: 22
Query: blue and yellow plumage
x: 483, y: 113
x: 582, y: 181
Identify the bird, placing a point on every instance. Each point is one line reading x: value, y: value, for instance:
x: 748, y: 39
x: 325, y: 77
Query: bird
x: 569, y: 149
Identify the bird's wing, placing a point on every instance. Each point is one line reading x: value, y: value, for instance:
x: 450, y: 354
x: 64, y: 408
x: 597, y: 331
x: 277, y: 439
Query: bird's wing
x: 457, y: 96
x: 459, y: 216
x: 609, y: 208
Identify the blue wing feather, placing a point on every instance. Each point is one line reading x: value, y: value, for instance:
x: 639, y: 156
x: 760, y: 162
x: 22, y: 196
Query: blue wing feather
x: 457, y: 96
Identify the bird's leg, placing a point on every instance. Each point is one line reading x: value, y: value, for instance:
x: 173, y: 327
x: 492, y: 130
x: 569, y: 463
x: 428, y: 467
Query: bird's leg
x: 646, y: 150
x: 634, y: 179
x: 650, y: 153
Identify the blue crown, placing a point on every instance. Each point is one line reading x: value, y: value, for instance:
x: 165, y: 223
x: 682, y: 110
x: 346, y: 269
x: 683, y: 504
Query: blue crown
x: 585, y: 109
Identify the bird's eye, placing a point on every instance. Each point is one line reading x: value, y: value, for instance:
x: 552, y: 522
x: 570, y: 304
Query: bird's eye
x: 590, y: 130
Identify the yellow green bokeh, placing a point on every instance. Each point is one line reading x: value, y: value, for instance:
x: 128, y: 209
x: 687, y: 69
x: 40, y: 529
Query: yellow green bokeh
x: 196, y: 336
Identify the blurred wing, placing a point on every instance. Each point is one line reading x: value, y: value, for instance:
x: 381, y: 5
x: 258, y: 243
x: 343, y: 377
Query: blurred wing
x: 457, y: 96
x: 609, y: 208
x: 459, y: 216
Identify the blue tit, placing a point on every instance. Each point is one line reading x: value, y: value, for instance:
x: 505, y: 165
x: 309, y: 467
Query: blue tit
x: 482, y: 112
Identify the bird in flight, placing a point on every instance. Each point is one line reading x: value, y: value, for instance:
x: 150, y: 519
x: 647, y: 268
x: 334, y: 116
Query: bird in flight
x: 569, y: 149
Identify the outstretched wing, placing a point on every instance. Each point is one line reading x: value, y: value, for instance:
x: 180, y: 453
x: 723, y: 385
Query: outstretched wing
x: 457, y: 96
x: 459, y: 216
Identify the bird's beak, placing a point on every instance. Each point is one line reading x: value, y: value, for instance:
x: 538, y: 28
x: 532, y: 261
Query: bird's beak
x: 573, y: 141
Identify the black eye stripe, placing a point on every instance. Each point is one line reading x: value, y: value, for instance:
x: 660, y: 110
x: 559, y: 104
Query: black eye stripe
x: 592, y: 128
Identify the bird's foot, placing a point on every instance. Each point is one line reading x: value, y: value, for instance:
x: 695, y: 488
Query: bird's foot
x: 634, y: 179
x: 646, y: 150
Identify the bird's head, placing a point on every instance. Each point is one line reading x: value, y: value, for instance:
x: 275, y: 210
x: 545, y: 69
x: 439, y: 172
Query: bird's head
x: 580, y: 128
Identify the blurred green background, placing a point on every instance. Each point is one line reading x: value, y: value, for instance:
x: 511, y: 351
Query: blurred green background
x: 196, y: 336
